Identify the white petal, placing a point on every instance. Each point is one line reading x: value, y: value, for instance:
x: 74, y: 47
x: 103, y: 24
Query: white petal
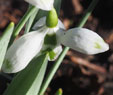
x: 41, y: 22
x: 84, y: 41
x: 42, y: 4
x: 57, y: 52
x: 61, y: 25
x: 23, y: 50
x: 59, y: 34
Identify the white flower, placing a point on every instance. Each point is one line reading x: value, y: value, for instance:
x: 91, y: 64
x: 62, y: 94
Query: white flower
x: 84, y: 41
x: 45, y: 39
x: 42, y: 4
x: 23, y: 50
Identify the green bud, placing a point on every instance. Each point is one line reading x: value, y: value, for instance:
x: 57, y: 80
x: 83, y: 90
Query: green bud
x: 52, y: 19
x: 59, y: 92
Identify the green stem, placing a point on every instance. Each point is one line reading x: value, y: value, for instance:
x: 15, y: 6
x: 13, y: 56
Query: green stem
x: 87, y: 13
x: 22, y: 22
x: 61, y: 57
x: 52, y: 72
x: 30, y: 21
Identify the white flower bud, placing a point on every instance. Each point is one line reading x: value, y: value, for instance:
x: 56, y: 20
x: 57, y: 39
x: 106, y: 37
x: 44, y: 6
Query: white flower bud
x: 84, y: 41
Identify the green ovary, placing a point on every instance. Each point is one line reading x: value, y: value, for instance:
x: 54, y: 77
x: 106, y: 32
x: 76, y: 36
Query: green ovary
x: 52, y: 19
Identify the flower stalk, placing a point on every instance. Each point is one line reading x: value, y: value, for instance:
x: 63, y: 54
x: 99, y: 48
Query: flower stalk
x: 87, y: 13
x: 61, y: 57
x: 22, y: 22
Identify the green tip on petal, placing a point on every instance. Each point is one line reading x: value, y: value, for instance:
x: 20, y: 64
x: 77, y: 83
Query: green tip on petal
x: 50, y: 39
x: 52, y: 19
x: 97, y: 45
x: 8, y: 65
x: 52, y: 54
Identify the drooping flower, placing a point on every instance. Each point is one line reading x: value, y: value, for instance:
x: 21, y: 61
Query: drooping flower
x: 49, y: 33
x: 42, y: 4
x: 23, y: 50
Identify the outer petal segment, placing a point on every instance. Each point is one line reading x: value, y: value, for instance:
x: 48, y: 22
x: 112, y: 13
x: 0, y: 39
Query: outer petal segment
x: 22, y: 51
x: 42, y: 4
x: 42, y: 21
x: 84, y: 41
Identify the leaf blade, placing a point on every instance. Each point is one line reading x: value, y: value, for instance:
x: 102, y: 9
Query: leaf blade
x: 4, y: 41
x: 24, y: 84
x: 30, y: 20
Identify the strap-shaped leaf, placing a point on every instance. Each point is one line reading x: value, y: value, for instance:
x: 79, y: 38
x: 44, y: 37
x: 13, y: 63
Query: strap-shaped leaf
x: 57, y: 5
x: 30, y: 20
x: 4, y: 40
x: 28, y: 81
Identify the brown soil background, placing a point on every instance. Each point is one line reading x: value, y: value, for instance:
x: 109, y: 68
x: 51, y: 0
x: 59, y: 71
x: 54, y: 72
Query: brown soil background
x: 79, y: 74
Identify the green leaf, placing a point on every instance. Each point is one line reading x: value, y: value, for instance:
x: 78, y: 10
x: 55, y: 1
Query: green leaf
x: 22, y: 22
x: 30, y: 20
x: 4, y: 41
x: 28, y: 81
x: 57, y: 5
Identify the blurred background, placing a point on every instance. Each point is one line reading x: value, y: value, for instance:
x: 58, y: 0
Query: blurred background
x: 79, y: 74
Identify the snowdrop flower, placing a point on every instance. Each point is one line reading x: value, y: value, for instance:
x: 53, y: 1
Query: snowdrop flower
x: 23, y: 50
x: 48, y: 35
x: 42, y: 4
